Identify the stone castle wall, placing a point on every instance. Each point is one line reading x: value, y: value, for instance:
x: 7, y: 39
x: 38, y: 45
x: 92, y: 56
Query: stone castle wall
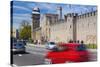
x: 62, y: 31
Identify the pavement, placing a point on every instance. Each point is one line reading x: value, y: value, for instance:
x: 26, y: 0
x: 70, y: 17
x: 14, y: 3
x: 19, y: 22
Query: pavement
x: 36, y: 45
x: 36, y: 50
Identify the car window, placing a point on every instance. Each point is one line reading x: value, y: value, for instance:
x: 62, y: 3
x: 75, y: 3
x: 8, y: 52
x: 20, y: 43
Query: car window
x: 81, y: 47
x: 14, y: 44
x: 20, y: 44
x: 59, y: 48
x: 52, y: 43
x: 20, y: 41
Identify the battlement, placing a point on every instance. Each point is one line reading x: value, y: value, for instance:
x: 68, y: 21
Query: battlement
x: 85, y: 15
x: 71, y: 15
x: 53, y: 18
x: 89, y: 14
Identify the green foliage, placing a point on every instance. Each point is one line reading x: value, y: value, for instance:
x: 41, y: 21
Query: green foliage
x: 30, y: 40
x: 92, y: 46
x: 25, y: 31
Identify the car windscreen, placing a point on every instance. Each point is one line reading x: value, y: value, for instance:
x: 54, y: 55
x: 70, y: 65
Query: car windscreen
x: 59, y: 48
x: 51, y: 43
x: 20, y: 45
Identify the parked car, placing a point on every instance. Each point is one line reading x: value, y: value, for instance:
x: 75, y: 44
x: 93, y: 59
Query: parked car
x: 50, y: 45
x: 18, y: 46
x: 70, y: 52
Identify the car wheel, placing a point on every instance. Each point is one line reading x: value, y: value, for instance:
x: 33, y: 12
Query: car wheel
x: 47, y: 61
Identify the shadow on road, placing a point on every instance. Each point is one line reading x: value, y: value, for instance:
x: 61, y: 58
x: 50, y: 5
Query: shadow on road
x: 20, y: 53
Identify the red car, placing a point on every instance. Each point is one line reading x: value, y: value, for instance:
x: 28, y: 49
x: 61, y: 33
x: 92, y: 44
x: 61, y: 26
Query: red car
x: 70, y: 52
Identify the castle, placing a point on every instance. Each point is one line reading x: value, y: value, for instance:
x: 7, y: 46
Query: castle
x: 72, y: 27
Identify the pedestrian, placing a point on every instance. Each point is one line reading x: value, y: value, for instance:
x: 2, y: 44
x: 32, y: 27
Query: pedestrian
x: 78, y: 41
x: 82, y: 45
x: 39, y: 42
x: 75, y: 42
x: 82, y: 42
x: 71, y: 41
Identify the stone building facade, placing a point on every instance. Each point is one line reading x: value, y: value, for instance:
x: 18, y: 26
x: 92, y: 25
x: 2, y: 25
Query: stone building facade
x: 87, y: 27
x: 72, y: 27
x: 46, y: 23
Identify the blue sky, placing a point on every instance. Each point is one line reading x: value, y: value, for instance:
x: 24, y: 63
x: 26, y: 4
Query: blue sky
x: 22, y: 10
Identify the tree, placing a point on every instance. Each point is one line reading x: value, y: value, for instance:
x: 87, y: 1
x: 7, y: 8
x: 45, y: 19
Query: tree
x: 25, y: 30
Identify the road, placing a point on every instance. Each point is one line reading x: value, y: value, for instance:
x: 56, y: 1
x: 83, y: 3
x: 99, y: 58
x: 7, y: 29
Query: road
x: 27, y: 59
x: 36, y: 56
x: 33, y: 56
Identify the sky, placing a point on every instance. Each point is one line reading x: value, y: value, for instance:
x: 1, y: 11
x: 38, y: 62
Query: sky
x: 22, y: 10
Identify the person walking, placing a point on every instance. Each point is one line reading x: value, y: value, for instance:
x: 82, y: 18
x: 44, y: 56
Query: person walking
x: 82, y: 45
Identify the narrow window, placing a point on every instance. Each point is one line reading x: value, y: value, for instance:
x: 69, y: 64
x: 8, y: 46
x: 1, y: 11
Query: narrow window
x: 70, y: 26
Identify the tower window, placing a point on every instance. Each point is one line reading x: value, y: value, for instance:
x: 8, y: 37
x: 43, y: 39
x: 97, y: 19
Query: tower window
x: 88, y: 24
x: 70, y: 26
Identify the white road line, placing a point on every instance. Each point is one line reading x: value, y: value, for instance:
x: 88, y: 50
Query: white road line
x: 19, y: 54
x: 14, y: 65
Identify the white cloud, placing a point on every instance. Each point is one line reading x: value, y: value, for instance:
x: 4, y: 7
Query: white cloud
x: 23, y: 8
x: 18, y: 18
x: 22, y: 15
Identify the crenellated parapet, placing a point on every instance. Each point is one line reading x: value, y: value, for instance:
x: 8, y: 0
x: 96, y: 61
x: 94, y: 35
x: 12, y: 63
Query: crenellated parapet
x: 86, y: 15
x: 70, y: 15
x: 54, y: 18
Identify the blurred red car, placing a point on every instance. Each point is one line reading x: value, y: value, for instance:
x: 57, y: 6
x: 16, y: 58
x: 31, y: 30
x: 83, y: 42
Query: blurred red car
x: 70, y: 52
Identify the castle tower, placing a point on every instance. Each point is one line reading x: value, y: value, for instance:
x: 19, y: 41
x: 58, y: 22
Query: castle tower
x: 75, y: 26
x: 36, y: 23
x: 71, y: 19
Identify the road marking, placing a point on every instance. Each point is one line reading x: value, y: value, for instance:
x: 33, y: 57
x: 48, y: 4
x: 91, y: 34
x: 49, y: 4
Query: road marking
x: 19, y: 54
x: 14, y: 65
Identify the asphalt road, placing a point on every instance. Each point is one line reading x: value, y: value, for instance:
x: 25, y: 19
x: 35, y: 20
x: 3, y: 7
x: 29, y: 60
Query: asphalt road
x: 33, y: 56
x: 36, y: 50
x: 36, y: 56
x: 27, y: 59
